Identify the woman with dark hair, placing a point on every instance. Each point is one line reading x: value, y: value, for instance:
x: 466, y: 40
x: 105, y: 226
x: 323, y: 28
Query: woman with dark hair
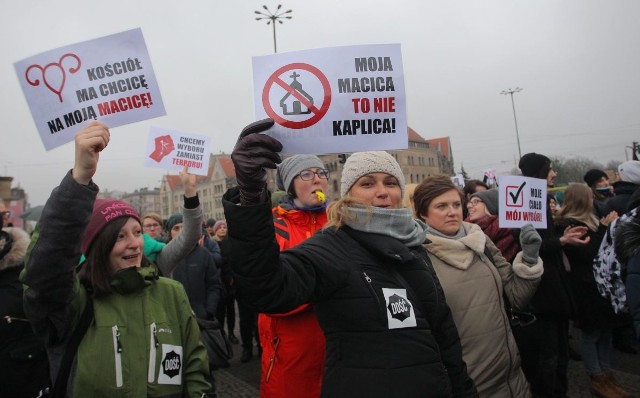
x: 483, y: 210
x: 474, y: 275
x: 594, y: 315
x: 143, y: 340
x: 388, y: 329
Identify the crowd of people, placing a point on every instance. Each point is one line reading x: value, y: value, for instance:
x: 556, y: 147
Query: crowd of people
x: 392, y: 289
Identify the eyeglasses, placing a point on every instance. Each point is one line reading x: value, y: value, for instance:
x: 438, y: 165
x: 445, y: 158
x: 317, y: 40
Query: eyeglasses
x: 307, y: 175
x: 151, y: 226
x: 474, y: 202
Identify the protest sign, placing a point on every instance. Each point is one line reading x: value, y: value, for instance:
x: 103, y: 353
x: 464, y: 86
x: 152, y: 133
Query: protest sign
x: 333, y: 100
x: 458, y: 179
x: 172, y: 150
x: 489, y: 177
x: 523, y: 200
x: 108, y: 79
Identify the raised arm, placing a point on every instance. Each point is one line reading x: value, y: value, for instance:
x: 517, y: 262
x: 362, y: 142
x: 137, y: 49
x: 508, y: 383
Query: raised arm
x: 178, y: 248
x: 50, y: 283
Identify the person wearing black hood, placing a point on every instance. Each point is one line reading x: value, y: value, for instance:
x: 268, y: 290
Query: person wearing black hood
x: 545, y: 343
x: 22, y: 355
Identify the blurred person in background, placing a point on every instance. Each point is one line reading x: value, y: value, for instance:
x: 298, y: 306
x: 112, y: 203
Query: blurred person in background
x: 594, y: 314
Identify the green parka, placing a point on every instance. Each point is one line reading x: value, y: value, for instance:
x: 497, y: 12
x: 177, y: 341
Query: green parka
x: 144, y: 340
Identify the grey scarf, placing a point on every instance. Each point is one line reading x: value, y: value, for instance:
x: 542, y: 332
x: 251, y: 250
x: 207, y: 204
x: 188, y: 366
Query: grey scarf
x: 395, y: 223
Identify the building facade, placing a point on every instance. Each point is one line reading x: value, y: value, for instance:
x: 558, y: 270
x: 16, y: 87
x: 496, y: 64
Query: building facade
x: 144, y: 200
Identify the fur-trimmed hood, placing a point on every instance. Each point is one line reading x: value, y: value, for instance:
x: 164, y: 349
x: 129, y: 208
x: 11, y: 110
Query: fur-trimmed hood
x: 627, y: 239
x: 20, y: 242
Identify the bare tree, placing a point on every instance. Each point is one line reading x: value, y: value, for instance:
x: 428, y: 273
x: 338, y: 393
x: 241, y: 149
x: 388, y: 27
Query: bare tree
x: 612, y: 165
x: 573, y: 170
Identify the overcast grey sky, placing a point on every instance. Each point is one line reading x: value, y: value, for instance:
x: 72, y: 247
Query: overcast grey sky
x: 578, y: 62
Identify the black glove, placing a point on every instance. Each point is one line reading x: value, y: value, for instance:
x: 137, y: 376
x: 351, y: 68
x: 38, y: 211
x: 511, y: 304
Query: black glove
x: 252, y: 153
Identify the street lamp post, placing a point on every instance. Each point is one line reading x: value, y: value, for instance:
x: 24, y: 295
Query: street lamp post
x: 272, y: 17
x: 511, y: 92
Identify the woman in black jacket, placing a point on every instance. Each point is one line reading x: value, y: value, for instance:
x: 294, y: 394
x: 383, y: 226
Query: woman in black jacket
x: 388, y: 329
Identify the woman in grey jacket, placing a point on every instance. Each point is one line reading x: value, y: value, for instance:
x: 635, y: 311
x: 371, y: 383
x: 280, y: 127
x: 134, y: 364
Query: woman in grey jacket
x: 474, y: 283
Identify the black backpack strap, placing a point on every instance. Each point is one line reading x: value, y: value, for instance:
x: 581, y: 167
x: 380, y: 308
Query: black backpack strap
x: 59, y: 388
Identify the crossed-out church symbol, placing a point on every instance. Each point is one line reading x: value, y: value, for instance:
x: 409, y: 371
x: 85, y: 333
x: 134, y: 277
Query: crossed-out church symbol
x: 288, y: 101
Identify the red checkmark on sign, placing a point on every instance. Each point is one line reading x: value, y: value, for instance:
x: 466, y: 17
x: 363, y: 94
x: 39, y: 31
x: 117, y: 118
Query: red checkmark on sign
x: 514, y: 195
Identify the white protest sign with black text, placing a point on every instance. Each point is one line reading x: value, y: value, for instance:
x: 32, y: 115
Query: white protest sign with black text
x: 108, y: 79
x: 172, y: 150
x: 333, y: 100
x: 523, y: 200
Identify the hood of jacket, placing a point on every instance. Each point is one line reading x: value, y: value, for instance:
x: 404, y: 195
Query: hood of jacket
x: 459, y: 253
x: 19, y: 243
x: 624, y: 187
x: 133, y: 279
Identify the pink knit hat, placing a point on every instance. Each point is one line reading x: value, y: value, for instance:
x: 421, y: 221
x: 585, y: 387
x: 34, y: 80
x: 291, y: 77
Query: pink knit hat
x: 104, y: 212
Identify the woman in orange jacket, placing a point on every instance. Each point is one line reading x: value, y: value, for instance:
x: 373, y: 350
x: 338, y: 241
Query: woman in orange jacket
x: 293, y: 344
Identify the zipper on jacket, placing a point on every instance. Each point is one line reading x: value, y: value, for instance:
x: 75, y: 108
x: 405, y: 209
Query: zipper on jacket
x: 10, y: 319
x: 272, y: 360
x: 381, y: 310
x: 432, y: 274
x: 153, y: 346
x: 117, y: 350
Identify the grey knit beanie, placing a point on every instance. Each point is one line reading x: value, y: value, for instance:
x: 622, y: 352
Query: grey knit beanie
x: 292, y: 166
x: 362, y: 163
x: 172, y: 221
x: 490, y: 199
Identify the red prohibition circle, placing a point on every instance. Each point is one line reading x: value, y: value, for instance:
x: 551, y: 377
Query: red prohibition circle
x: 318, y: 113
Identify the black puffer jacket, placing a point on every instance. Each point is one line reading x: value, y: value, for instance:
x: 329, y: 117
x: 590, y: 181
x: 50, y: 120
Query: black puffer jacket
x: 389, y: 330
x: 23, y: 359
x: 623, y: 190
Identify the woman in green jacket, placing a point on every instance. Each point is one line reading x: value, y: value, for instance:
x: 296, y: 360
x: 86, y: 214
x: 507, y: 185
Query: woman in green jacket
x: 143, y: 340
